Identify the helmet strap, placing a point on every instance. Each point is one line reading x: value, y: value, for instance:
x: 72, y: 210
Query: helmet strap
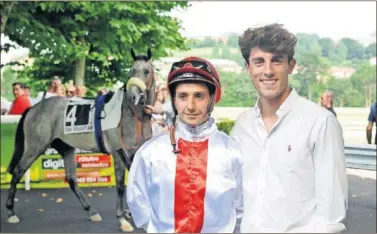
x: 211, y: 104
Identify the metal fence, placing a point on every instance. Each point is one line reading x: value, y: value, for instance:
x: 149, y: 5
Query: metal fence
x: 361, y: 156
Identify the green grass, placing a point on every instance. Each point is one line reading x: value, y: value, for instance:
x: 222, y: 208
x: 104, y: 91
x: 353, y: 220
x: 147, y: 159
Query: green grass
x: 8, y: 132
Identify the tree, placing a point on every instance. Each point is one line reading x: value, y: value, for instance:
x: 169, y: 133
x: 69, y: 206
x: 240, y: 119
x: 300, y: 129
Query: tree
x: 209, y: 42
x: 370, y: 51
x: 5, y: 10
x: 305, y: 41
x: 92, y: 39
x: 341, y: 89
x: 327, y: 45
x: 233, y: 40
x: 339, y: 55
x: 237, y: 90
x: 354, y: 48
x: 364, y: 79
x: 8, y: 77
x: 312, y: 71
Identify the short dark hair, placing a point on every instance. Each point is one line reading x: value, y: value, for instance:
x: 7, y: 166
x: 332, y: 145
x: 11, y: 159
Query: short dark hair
x: 22, y: 85
x: 272, y: 38
x: 17, y: 83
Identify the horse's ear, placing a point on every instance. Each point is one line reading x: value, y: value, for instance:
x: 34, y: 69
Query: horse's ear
x: 133, y: 54
x: 149, y: 53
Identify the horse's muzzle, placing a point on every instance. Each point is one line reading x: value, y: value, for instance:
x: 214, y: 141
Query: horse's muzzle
x: 136, y: 96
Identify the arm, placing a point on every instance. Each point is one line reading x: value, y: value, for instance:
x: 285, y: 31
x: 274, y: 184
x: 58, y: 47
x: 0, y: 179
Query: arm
x: 137, y: 191
x: 369, y: 132
x: 237, y: 168
x: 331, y: 184
x: 239, y: 199
x: 371, y: 119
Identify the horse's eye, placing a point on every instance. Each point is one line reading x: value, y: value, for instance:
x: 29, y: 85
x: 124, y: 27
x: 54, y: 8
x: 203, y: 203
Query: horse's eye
x: 146, y: 72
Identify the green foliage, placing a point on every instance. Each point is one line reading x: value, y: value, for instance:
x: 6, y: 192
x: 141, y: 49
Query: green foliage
x: 60, y: 33
x: 206, y: 42
x: 7, y: 79
x: 233, y: 40
x: 237, y: 90
x: 370, y: 51
x: 225, y: 126
x: 354, y: 48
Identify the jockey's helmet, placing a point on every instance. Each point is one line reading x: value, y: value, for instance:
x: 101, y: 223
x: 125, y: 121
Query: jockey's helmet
x: 195, y: 69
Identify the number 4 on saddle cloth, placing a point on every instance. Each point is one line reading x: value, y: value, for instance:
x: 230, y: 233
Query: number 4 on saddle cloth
x: 84, y: 115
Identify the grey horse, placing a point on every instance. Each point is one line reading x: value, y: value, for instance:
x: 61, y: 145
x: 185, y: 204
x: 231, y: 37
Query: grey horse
x: 41, y: 127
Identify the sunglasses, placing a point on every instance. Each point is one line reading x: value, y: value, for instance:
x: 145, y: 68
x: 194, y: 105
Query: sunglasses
x: 197, y: 64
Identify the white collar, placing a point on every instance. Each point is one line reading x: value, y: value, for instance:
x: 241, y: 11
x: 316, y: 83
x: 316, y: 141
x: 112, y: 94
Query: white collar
x: 285, y: 107
x: 198, y: 133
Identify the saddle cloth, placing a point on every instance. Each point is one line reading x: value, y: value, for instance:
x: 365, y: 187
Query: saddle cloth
x: 80, y: 113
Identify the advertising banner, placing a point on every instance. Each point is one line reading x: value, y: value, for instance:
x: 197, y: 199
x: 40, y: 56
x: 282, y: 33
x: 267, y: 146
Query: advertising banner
x: 93, y: 169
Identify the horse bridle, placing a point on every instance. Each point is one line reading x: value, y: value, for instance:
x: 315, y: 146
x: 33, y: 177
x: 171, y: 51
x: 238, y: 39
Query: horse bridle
x: 139, y: 123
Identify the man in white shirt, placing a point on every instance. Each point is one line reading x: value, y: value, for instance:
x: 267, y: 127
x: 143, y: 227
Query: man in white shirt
x: 55, y: 81
x: 295, y: 172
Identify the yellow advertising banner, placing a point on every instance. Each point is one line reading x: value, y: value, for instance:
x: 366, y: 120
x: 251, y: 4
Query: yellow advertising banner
x: 93, y: 169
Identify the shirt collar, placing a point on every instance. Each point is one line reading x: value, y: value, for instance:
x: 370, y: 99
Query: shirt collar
x: 285, y: 107
x: 198, y: 133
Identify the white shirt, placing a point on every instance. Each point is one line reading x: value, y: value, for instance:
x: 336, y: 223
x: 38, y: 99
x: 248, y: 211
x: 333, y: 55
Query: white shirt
x: 40, y: 97
x: 5, y: 104
x: 295, y: 177
x: 152, y: 182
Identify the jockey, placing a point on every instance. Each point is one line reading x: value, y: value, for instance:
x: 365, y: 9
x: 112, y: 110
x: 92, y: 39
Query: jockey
x: 188, y: 180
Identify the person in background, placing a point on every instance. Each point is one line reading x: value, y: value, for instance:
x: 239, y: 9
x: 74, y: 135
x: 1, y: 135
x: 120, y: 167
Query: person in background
x: 372, y: 118
x: 101, y: 91
x: 27, y: 94
x: 327, y: 101
x: 71, y: 91
x: 21, y: 101
x: 190, y: 180
x: 80, y: 90
x: 293, y: 149
x: 166, y: 108
x: 158, y: 124
x: 59, y: 90
x: 54, y: 82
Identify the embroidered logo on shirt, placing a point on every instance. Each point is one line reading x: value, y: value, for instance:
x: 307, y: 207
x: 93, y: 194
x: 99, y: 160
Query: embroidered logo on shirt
x: 289, y: 148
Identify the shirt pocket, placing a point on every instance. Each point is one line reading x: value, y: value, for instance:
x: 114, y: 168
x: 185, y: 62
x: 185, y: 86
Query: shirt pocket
x: 294, y: 156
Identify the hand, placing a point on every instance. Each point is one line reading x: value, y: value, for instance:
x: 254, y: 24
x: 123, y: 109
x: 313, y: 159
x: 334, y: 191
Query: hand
x: 153, y: 109
x: 160, y: 122
x: 148, y: 109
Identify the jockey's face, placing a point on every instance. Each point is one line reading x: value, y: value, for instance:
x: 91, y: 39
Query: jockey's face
x: 269, y: 73
x: 191, y: 101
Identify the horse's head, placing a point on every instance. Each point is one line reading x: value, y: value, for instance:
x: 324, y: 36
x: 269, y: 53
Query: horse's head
x: 140, y: 86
